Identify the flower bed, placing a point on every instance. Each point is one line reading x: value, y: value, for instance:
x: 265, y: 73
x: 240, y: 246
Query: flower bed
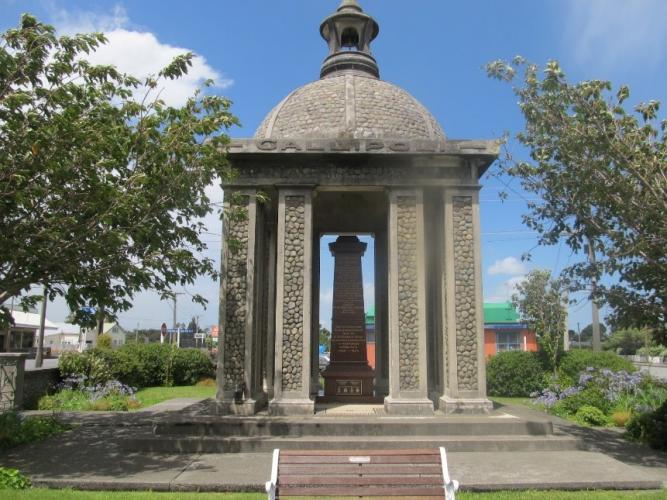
x: 636, y: 401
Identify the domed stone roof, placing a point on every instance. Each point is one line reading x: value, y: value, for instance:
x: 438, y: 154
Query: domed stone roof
x: 350, y: 101
x: 352, y: 106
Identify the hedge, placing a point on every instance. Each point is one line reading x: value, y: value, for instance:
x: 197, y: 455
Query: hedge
x: 577, y: 360
x: 139, y: 365
x: 514, y: 374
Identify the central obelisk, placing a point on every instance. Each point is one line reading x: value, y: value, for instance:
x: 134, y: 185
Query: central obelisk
x: 348, y: 376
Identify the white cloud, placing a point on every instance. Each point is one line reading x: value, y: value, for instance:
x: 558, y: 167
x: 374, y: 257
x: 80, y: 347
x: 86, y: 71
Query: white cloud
x: 138, y: 52
x: 605, y: 33
x: 510, y: 266
x: 504, y: 291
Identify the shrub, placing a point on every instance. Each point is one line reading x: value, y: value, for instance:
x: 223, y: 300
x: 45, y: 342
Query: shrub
x: 650, y: 427
x: 626, y: 341
x: 655, y: 350
x: 514, y: 374
x: 104, y: 341
x: 15, y: 430
x: 592, y: 396
x: 206, y: 382
x: 73, y: 364
x: 577, y: 360
x: 144, y: 365
x: 189, y: 366
x: 621, y: 417
x: 590, y: 415
x: 12, y: 479
x: 65, y: 400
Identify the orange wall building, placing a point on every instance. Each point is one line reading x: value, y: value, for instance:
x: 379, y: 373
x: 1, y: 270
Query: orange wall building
x: 503, y: 330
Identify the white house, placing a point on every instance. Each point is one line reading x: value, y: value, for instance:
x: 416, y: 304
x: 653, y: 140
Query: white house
x: 70, y: 337
x: 22, y: 335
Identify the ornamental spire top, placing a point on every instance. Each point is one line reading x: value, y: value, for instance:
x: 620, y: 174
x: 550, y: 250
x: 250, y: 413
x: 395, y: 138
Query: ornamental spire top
x: 349, y: 33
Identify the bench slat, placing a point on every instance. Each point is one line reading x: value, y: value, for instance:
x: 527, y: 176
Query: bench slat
x: 330, y: 453
x: 367, y: 491
x: 361, y: 481
x: 373, y: 459
x: 348, y: 469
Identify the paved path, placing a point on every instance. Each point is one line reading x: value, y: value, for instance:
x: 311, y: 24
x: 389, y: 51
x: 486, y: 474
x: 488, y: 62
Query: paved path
x: 90, y: 457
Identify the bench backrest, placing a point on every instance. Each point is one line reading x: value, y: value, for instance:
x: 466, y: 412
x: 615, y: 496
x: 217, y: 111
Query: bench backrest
x: 384, y: 473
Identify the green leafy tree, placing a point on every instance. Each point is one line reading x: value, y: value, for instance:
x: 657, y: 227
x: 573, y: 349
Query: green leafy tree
x: 599, y: 172
x: 628, y: 340
x: 101, y: 193
x: 104, y: 341
x: 325, y: 338
x: 587, y: 332
x: 542, y: 304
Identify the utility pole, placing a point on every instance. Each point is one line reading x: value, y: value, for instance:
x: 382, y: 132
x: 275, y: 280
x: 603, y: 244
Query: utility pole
x: 176, y: 294
x: 39, y: 357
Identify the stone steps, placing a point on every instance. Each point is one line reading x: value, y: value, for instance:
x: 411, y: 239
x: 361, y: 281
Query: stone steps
x: 217, y: 444
x: 352, y: 427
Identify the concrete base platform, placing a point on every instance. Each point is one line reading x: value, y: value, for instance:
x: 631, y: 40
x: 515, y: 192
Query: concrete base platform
x: 91, y: 457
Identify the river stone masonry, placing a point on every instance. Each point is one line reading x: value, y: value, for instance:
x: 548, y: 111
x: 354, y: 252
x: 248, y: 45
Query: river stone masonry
x: 464, y: 256
x: 293, y: 289
x: 235, y: 319
x: 347, y: 155
x: 408, y: 315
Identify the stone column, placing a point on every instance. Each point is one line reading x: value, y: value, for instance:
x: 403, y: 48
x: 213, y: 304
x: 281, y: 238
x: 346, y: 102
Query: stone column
x: 315, y: 319
x: 239, y: 361
x: 271, y: 312
x: 407, y: 306
x: 293, y: 304
x: 463, y: 347
x: 381, y: 337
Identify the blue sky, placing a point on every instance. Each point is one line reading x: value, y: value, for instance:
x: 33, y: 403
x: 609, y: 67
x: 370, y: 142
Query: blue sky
x: 259, y: 51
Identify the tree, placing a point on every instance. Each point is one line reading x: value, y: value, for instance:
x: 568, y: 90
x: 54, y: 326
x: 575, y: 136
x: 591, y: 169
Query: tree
x: 587, y: 332
x: 541, y: 302
x: 600, y: 174
x: 627, y: 341
x: 101, y: 193
x: 325, y: 338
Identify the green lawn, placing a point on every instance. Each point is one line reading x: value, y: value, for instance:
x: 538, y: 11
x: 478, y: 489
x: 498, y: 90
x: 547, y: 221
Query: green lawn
x: 513, y: 401
x: 153, y: 395
x: 42, y: 494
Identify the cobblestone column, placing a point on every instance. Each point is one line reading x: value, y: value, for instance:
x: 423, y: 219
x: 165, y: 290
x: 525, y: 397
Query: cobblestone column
x: 463, y: 356
x: 293, y: 304
x: 239, y: 362
x: 407, y: 305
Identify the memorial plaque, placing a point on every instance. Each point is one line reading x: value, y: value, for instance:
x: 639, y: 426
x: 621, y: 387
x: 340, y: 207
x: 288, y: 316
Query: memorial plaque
x: 348, y: 374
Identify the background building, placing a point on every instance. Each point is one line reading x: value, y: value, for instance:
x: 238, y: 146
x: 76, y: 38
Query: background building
x: 504, y: 332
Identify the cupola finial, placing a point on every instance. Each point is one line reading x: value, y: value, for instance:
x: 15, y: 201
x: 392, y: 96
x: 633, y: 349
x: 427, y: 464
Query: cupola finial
x: 349, y: 33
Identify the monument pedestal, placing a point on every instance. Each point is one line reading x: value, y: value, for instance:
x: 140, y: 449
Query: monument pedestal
x: 348, y: 378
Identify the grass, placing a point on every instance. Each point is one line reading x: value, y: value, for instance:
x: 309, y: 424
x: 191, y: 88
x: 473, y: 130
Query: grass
x: 43, y: 494
x: 513, y: 401
x: 153, y: 395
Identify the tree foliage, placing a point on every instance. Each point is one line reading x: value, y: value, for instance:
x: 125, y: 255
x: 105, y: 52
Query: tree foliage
x: 101, y: 192
x: 600, y: 173
x: 541, y: 302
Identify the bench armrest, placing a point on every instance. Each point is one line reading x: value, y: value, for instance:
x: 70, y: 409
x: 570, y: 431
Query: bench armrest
x: 272, y: 484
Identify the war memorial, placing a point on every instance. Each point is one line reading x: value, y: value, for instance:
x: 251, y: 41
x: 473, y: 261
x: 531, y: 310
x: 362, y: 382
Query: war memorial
x: 352, y: 154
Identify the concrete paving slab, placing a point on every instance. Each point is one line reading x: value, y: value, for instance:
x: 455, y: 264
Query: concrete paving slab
x: 178, y: 404
x: 90, y: 457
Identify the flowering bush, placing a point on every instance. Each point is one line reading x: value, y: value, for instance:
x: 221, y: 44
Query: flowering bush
x: 78, y: 393
x: 606, y: 390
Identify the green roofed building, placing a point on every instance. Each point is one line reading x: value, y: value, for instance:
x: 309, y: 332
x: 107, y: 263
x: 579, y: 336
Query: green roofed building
x: 504, y: 331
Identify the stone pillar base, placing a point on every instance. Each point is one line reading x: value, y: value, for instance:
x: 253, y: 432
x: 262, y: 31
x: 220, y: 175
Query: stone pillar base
x: 422, y: 407
x: 245, y: 408
x: 381, y: 387
x: 291, y: 407
x: 469, y: 406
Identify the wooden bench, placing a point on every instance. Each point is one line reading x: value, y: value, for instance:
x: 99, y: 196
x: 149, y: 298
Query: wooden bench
x: 361, y: 473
